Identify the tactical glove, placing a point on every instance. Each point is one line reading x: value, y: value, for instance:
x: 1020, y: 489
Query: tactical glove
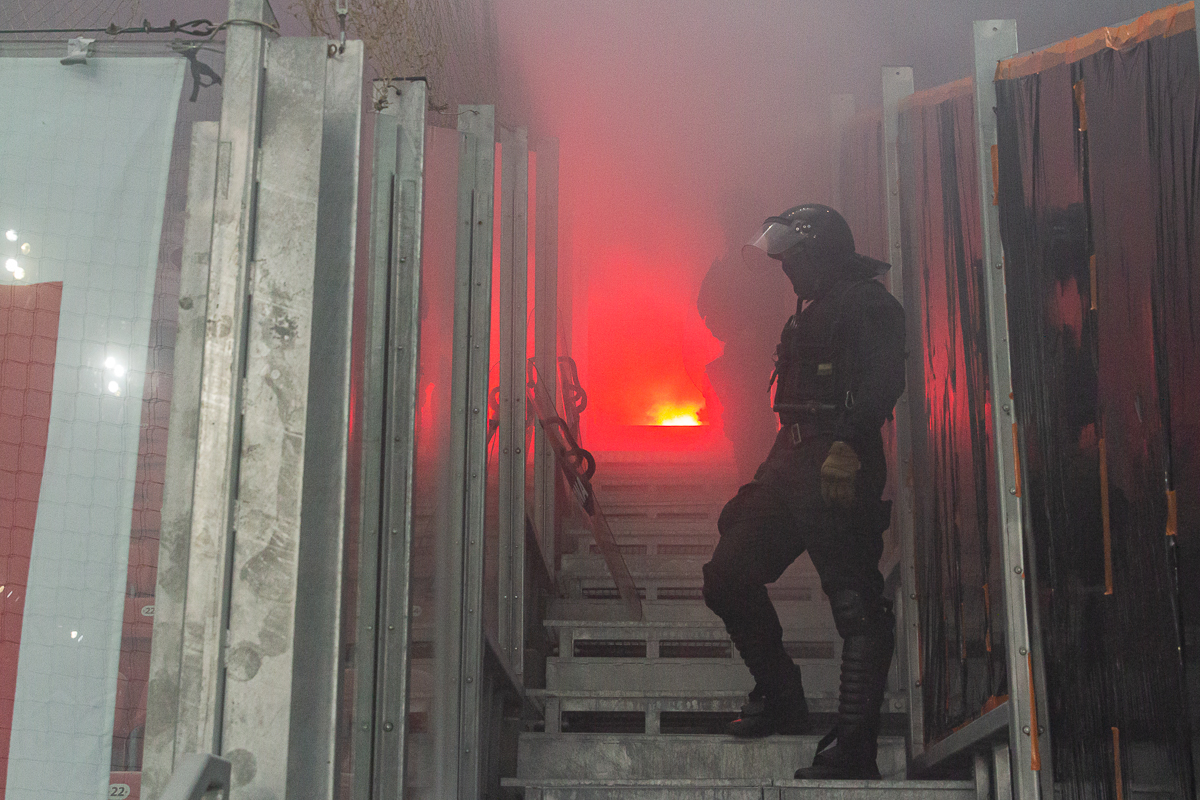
x: 838, y: 473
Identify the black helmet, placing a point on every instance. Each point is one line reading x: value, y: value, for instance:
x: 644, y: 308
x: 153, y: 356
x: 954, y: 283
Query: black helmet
x: 822, y: 232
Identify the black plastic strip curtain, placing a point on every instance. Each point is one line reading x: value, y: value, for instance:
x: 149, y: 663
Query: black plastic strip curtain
x: 957, y: 542
x: 1098, y: 178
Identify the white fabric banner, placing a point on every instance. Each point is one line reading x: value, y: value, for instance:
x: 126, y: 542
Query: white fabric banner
x: 84, y: 157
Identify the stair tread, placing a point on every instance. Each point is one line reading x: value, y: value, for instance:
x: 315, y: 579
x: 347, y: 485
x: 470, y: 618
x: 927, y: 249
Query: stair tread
x: 720, y: 782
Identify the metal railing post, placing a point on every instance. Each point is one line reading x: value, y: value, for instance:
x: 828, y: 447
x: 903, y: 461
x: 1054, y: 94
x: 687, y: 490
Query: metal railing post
x: 898, y: 84
x: 994, y: 41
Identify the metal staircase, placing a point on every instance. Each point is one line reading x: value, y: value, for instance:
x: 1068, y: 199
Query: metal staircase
x: 637, y: 709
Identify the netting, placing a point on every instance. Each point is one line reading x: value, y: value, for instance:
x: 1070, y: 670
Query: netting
x: 957, y: 541
x: 40, y: 14
x: 451, y: 42
x: 1098, y: 182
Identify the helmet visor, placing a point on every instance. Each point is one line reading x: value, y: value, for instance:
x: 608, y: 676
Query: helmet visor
x: 770, y: 243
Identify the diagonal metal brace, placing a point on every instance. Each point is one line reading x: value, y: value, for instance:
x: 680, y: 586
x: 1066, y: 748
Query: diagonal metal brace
x: 570, y: 457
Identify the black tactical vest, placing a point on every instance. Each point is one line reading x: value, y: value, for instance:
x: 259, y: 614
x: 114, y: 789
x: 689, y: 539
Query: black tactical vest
x: 814, y: 361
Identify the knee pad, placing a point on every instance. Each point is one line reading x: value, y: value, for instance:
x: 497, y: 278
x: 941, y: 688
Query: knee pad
x: 856, y: 614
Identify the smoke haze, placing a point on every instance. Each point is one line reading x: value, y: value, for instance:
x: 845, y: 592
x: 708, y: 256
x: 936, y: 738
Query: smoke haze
x: 681, y: 126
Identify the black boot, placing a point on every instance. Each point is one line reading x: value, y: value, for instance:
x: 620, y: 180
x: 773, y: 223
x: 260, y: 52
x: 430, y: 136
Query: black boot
x: 768, y: 712
x: 849, y: 751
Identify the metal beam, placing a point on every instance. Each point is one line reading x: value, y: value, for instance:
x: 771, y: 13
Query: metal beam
x: 261, y: 656
x: 989, y: 727
x: 545, y: 303
x: 514, y: 271
x: 403, y: 350
x: 317, y: 664
x: 898, y: 84
x: 170, y: 594
x: 367, y: 638
x: 202, y: 663
x: 996, y: 40
x: 458, y: 758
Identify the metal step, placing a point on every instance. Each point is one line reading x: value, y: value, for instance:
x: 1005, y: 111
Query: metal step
x: 698, y: 757
x: 816, y: 640
x: 669, y: 712
x: 687, y: 677
x: 658, y: 577
x: 584, y: 610
x: 586, y: 565
x: 573, y: 789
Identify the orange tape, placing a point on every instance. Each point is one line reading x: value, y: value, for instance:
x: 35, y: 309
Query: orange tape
x: 1081, y: 103
x: 1163, y: 22
x: 1172, y: 514
x: 1104, y: 516
x: 1095, y: 283
x: 1117, y: 763
x: 939, y: 94
x: 1035, y: 758
x: 995, y: 175
x: 1016, y: 462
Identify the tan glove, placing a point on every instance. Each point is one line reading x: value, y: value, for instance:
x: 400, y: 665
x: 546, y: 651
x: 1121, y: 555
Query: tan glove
x: 838, y: 473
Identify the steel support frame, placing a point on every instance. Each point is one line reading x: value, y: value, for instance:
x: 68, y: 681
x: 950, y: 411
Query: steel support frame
x: 462, y: 559
x: 259, y: 492
x: 897, y: 84
x: 189, y: 697
x: 392, y: 337
x: 545, y: 479
x: 286, y: 579
x: 514, y: 272
x: 1030, y: 768
x: 170, y: 598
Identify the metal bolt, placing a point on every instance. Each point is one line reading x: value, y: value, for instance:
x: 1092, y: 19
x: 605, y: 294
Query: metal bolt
x: 364, y: 726
x: 1025, y: 730
x: 1023, y: 651
x: 912, y: 596
x: 1017, y: 570
x: 391, y: 627
x: 395, y: 531
x: 1005, y: 407
x: 918, y: 683
x: 1000, y: 265
x: 469, y: 680
x: 1012, y: 491
x: 475, y: 410
x: 387, y: 726
x: 403, y: 259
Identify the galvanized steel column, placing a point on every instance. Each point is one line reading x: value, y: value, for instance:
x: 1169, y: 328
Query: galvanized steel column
x: 390, y: 378
x: 545, y: 309
x: 316, y: 675
x: 996, y: 40
x: 170, y: 594
x: 514, y: 272
x: 462, y: 559
x: 201, y: 673
x: 898, y: 84
x: 270, y: 476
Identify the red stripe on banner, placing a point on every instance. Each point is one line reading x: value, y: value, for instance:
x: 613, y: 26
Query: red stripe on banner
x: 28, y: 343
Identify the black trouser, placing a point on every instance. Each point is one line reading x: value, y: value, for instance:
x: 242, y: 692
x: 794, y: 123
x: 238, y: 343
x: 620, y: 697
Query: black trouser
x: 769, y: 523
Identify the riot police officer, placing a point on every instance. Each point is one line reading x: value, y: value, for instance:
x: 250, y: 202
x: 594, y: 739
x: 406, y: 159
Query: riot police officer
x: 839, y: 371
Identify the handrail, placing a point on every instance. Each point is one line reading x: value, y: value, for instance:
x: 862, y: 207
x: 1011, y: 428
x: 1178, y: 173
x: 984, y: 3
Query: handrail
x: 196, y: 775
x: 577, y: 466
